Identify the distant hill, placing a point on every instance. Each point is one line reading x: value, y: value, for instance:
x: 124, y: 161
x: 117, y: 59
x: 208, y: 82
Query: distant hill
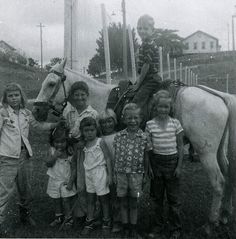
x: 29, y: 78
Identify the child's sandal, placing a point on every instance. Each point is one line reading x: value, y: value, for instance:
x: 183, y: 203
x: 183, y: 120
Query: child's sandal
x: 69, y: 221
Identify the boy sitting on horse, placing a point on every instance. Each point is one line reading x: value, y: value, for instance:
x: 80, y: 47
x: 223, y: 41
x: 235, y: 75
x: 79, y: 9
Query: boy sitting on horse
x: 148, y: 67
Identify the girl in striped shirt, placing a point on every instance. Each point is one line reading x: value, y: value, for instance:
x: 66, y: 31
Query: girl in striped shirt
x: 166, y: 134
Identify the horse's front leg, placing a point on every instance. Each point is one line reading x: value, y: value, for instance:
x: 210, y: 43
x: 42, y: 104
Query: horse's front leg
x: 211, y: 165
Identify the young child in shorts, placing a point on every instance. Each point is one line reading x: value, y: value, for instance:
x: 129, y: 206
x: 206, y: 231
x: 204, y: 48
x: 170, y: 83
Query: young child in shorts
x: 108, y: 122
x: 60, y: 187
x: 98, y: 175
x: 130, y: 147
x: 166, y: 134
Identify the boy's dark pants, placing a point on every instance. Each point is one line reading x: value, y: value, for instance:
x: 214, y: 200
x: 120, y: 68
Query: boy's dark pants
x: 144, y: 94
x: 163, y: 167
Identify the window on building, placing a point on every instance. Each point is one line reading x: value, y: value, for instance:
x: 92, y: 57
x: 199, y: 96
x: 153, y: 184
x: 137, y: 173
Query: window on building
x: 211, y: 44
x: 187, y: 46
x: 195, y: 45
x: 203, y: 45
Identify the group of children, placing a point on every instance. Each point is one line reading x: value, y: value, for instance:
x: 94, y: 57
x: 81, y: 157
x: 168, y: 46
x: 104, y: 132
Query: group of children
x: 114, y: 163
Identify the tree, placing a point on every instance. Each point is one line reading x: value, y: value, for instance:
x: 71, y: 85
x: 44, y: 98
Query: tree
x: 171, y: 42
x: 32, y: 62
x: 97, y: 62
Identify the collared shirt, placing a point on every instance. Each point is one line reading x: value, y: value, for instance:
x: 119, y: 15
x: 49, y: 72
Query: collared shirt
x: 129, y: 151
x: 14, y: 131
x: 73, y: 118
x: 164, y: 140
x: 149, y: 53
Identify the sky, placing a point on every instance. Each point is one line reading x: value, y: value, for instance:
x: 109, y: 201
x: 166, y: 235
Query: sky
x: 19, y: 20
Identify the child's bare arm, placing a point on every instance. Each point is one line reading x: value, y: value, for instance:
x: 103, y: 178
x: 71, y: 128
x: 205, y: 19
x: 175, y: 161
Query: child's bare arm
x: 73, y: 166
x: 51, y: 158
x: 180, y: 148
x: 108, y: 160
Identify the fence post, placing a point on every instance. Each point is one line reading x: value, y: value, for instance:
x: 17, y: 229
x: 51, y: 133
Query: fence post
x: 168, y: 65
x: 175, y: 73
x: 196, y: 79
x: 180, y: 72
x: 161, y: 62
x: 186, y: 75
x: 227, y: 83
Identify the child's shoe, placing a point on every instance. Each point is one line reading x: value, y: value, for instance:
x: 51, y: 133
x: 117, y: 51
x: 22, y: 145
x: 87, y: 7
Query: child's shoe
x: 106, y: 226
x: 68, y: 222
x: 88, y: 227
x: 175, y: 234
x: 57, y: 221
x: 116, y: 227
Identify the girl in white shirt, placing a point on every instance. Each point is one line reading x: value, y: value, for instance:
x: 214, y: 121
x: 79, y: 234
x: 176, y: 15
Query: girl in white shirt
x: 15, y: 150
x: 61, y: 186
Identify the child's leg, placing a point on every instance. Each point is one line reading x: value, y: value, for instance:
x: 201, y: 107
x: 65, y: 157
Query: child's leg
x: 67, y: 206
x: 173, y: 197
x: 124, y: 210
x: 104, y: 200
x: 91, y: 205
x: 58, y: 206
x: 133, y: 210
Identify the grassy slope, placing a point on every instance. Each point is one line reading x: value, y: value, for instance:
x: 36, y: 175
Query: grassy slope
x: 29, y: 78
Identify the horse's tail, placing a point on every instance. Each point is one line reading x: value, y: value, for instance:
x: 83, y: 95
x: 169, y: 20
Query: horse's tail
x: 230, y: 101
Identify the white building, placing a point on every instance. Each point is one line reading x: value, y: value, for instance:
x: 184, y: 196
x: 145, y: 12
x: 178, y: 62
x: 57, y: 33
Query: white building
x: 200, y: 42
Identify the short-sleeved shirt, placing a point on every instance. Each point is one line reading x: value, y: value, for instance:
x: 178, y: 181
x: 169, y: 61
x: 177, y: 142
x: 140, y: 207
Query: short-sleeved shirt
x: 129, y: 151
x: 164, y: 140
x: 73, y: 118
x: 149, y: 53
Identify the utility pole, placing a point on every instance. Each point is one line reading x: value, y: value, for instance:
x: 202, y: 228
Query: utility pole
x: 233, y: 42
x: 125, y: 67
x: 41, y: 43
x: 228, y: 36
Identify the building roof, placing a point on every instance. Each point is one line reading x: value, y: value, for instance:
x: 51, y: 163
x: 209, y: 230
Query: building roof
x: 204, y: 33
x: 7, y: 45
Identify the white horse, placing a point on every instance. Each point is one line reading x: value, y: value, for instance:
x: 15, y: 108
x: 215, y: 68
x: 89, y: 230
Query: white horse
x: 206, y: 119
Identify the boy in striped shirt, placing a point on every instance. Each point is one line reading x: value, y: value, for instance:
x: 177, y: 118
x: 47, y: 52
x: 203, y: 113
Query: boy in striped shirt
x: 166, y: 134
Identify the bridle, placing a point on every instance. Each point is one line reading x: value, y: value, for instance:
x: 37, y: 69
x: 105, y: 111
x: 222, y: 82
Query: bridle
x: 49, y: 104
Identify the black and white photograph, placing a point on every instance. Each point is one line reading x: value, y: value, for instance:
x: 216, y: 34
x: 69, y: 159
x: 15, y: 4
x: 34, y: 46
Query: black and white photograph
x: 118, y: 119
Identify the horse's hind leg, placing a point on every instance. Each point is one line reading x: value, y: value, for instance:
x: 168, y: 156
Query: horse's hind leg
x: 210, y: 164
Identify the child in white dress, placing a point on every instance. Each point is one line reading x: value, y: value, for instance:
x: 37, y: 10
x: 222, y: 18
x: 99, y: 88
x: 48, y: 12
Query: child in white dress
x: 60, y: 188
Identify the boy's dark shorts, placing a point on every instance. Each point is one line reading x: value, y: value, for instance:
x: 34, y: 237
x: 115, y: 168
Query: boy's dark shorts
x: 129, y: 184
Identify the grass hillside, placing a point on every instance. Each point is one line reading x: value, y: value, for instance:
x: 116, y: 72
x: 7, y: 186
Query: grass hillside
x: 28, y: 77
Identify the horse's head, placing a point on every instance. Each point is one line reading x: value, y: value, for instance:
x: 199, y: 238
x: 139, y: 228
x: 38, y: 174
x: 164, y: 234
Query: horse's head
x: 53, y: 93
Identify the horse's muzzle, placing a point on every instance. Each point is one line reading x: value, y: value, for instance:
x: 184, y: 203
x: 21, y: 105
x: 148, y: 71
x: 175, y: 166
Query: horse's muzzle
x: 40, y: 111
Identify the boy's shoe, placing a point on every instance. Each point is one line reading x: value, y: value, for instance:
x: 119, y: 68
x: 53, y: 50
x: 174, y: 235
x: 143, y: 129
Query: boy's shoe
x: 116, y: 227
x: 175, y: 234
x: 88, y: 227
x: 57, y: 221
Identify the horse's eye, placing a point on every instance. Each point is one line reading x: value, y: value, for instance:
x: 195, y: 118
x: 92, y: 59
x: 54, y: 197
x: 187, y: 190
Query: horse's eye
x: 51, y: 84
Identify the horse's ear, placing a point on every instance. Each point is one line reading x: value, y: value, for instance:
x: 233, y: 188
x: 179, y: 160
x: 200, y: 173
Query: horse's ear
x: 63, y: 63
